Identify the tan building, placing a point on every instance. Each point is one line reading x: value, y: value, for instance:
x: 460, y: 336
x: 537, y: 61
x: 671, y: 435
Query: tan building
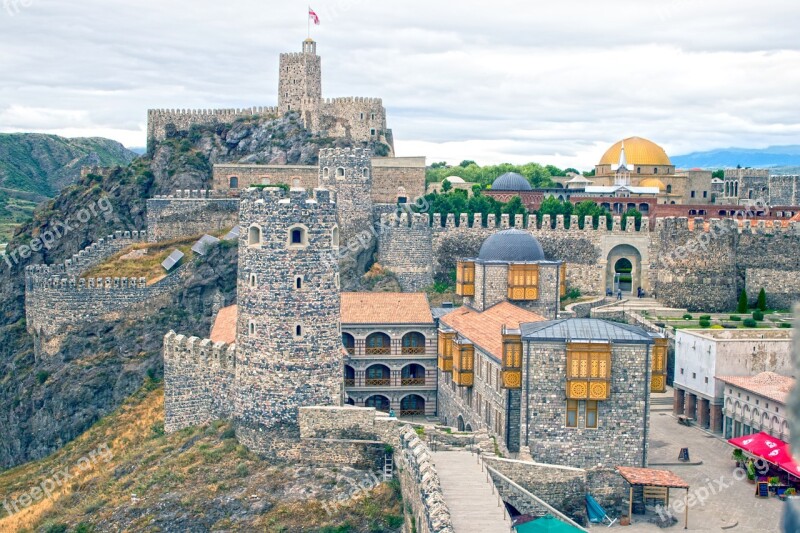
x: 756, y: 403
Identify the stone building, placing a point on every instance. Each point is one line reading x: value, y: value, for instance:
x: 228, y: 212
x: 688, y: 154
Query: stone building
x: 390, y: 340
x: 511, y: 266
x: 756, y: 403
x: 299, y: 90
x: 702, y: 355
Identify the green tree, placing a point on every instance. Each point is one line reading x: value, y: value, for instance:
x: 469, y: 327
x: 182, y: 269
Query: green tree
x: 719, y: 174
x: 632, y: 213
x: 762, y: 300
x: 446, y: 186
x: 467, y: 162
x: 570, y: 170
x: 439, y: 164
x: 476, y: 189
x: 742, y: 307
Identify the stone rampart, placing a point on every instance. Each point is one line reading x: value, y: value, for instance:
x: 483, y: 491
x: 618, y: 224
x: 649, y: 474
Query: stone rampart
x: 189, y: 213
x: 159, y: 121
x: 405, y: 248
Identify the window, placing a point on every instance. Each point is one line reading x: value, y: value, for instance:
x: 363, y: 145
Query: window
x: 692, y: 194
x: 512, y: 361
x: 655, y: 170
x: 588, y: 370
x: 658, y: 379
x: 372, y: 131
x: 326, y: 172
x: 233, y: 182
x: 465, y: 278
x: 413, y: 343
x: 463, y: 364
x: 372, y: 116
x: 562, y: 289
x: 340, y: 173
x: 298, y: 282
x: 298, y: 237
x: 298, y: 331
x: 706, y: 379
x: 572, y: 413
x: 378, y: 344
x: 591, y: 414
x: 335, y: 237
x: 638, y: 170
x: 253, y: 280
x: 252, y: 328
x: 669, y: 190
x: 362, y: 116
x: 681, y: 371
x: 705, y: 194
x: 365, y: 172
x: 254, y: 236
x: 523, y: 282
x: 446, y: 351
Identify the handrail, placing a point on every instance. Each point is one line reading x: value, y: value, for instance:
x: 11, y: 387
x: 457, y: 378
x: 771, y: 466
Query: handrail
x: 544, y: 504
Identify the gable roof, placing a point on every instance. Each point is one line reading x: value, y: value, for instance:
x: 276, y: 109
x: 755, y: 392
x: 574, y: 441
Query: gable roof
x: 386, y: 308
x: 224, y: 329
x: 485, y: 329
x: 767, y: 384
x: 584, y: 329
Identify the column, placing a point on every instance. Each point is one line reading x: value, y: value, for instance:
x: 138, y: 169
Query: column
x: 678, y: 399
x: 716, y: 418
x: 702, y: 413
x: 691, y: 406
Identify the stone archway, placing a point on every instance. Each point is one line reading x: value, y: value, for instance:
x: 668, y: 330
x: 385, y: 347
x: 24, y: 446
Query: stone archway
x: 624, y: 269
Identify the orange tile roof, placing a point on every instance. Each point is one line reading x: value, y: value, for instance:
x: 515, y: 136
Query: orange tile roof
x: 386, y: 308
x: 224, y: 329
x: 486, y: 329
x: 767, y: 384
x: 651, y: 477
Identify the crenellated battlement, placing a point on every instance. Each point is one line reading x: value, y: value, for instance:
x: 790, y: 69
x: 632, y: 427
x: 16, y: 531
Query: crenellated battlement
x: 221, y: 113
x: 203, y: 352
x: 357, y: 100
x: 272, y: 200
x: 48, y: 281
x: 532, y: 223
x: 412, y: 220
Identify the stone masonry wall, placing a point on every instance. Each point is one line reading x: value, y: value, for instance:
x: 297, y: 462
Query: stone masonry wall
x: 159, y: 121
x: 405, y: 248
x: 397, y: 176
x: 189, y: 213
x: 308, y: 176
x: 198, y: 381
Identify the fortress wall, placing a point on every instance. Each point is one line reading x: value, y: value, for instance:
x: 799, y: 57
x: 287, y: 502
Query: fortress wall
x: 392, y: 176
x: 405, y: 248
x: 198, y: 381
x: 92, y: 255
x: 264, y: 175
x: 769, y: 258
x: 342, y: 117
x: 160, y: 120
x: 53, y: 303
x: 189, y: 213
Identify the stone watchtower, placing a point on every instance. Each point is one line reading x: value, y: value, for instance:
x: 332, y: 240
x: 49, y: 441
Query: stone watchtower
x: 348, y: 172
x: 300, y: 80
x: 288, y: 336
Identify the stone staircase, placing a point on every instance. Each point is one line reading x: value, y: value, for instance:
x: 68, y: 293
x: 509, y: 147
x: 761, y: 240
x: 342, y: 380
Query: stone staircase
x: 470, y: 494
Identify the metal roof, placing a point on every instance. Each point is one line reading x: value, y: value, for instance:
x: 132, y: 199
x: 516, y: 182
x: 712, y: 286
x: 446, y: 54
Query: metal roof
x: 511, y: 181
x: 205, y: 243
x: 584, y: 329
x: 511, y: 245
x: 233, y: 235
x: 173, y: 259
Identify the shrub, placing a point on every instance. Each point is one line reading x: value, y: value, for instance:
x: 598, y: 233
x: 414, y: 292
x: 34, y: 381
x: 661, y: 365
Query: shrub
x: 56, y: 528
x: 750, y: 323
x: 157, y: 429
x: 717, y: 326
x: 84, y: 527
x: 229, y: 433
x: 758, y: 315
x: 687, y: 316
x: 705, y: 317
x: 742, y: 307
x: 42, y: 376
x: 705, y: 323
x: 762, y: 300
x: 242, y: 470
x: 786, y: 325
x: 736, y: 318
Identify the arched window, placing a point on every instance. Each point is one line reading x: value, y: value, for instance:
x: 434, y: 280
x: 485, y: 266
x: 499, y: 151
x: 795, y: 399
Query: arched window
x: 413, y: 343
x: 669, y: 189
x: 298, y: 282
x: 378, y: 376
x: 298, y: 331
x: 412, y: 375
x: 252, y: 328
x: 253, y: 280
x: 349, y: 343
x: 655, y: 170
x: 412, y: 405
x: 340, y: 172
x: 335, y: 237
x: 326, y: 172
x: 365, y: 172
x: 254, y: 236
x: 378, y: 344
x: 638, y: 170
x: 233, y: 182
x: 380, y: 403
x: 298, y: 236
x: 349, y: 376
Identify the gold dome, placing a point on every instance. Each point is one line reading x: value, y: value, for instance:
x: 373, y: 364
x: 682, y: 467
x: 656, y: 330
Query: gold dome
x: 638, y: 151
x: 652, y: 182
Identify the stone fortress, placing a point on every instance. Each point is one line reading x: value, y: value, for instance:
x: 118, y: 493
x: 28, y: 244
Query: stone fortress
x: 299, y: 89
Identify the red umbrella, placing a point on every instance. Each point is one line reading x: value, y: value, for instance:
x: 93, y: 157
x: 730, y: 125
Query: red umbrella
x: 768, y: 448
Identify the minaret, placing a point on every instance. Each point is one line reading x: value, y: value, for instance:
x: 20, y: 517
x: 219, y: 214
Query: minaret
x: 622, y: 173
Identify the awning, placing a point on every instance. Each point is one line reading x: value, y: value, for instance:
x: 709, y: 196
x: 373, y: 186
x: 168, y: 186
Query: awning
x: 768, y: 448
x: 545, y: 524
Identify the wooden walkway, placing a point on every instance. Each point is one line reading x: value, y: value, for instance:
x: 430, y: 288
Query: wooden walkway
x: 470, y: 497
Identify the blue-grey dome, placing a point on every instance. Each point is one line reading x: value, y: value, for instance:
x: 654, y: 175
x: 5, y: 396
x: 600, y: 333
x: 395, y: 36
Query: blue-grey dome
x: 511, y: 245
x: 511, y: 181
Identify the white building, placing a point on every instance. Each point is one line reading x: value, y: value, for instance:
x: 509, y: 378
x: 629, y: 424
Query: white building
x: 756, y: 403
x: 702, y: 355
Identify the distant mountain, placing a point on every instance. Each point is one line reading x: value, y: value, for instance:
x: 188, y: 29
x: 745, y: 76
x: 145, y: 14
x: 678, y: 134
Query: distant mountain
x: 775, y: 157
x: 141, y: 150
x: 45, y: 164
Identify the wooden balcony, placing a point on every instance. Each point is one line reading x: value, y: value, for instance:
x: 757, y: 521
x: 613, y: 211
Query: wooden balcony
x: 349, y: 382
x: 413, y: 350
x: 378, y: 350
x: 412, y: 382
x: 377, y: 382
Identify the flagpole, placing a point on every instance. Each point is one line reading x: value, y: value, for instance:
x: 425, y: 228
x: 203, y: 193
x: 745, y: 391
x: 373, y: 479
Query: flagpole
x: 308, y: 21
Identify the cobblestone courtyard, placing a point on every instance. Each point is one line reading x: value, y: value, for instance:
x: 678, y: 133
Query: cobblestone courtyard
x: 729, y: 504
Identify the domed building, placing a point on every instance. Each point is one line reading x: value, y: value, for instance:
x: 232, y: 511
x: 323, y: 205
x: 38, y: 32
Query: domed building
x: 644, y: 158
x: 511, y: 266
x: 511, y: 181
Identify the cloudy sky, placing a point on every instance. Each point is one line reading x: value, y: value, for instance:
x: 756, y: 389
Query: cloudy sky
x: 553, y: 82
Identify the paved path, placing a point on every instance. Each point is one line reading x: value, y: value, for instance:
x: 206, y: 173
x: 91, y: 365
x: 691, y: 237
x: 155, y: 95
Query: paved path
x: 473, y: 505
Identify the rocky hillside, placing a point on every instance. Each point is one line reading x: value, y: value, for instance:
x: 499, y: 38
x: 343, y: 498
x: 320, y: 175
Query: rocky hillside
x: 45, y: 164
x: 127, y: 475
x: 44, y: 404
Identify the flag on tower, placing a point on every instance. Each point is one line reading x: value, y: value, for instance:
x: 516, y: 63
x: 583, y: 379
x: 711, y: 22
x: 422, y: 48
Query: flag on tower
x: 313, y: 16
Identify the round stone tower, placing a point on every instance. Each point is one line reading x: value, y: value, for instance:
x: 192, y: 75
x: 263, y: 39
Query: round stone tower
x: 288, y: 337
x: 348, y: 172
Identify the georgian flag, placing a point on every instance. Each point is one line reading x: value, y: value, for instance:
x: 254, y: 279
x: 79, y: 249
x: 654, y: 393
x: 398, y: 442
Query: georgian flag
x: 313, y: 16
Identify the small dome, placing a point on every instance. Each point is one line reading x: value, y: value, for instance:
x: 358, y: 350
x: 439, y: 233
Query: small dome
x: 511, y: 245
x: 511, y: 181
x: 454, y: 179
x: 653, y: 182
